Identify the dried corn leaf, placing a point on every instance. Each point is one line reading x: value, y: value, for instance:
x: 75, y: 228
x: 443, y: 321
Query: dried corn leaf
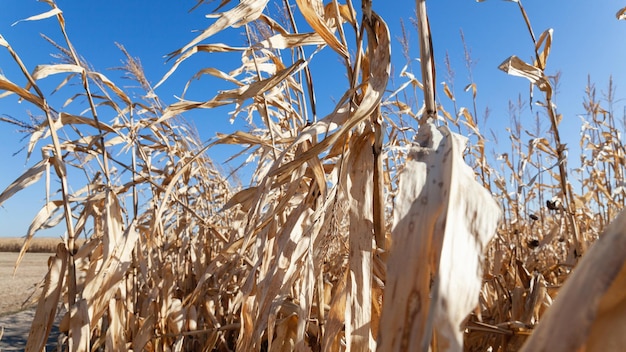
x: 80, y: 331
x: 115, y: 334
x: 69, y: 119
x: 292, y: 246
x: 47, y: 306
x: 442, y: 221
x: 312, y: 11
x: 248, y: 91
x: 245, y: 197
x: 38, y: 222
x: 345, y: 12
x: 447, y: 91
x: 9, y: 86
x: 517, y: 67
x: 286, y: 41
x: 28, y: 178
x: 55, y: 11
x: 101, y: 288
x: 232, y: 96
x: 43, y: 71
x: 144, y: 333
x: 104, y: 79
x: 472, y: 86
x: 545, y: 40
x: 208, y: 48
x: 245, y: 12
x: 379, y: 51
x: 587, y: 315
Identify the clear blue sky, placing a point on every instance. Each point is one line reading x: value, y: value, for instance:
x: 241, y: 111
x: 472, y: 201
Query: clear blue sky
x: 587, y: 40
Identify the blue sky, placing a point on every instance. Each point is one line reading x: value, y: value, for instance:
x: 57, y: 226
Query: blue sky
x: 587, y: 40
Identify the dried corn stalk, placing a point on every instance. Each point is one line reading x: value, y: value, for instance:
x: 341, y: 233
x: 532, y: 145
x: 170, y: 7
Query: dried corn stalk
x: 589, y: 312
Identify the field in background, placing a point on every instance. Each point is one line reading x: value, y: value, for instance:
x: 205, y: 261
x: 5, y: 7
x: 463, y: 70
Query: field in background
x: 37, y: 245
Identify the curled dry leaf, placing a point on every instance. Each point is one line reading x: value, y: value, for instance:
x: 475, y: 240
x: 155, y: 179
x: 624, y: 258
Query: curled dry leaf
x: 312, y: 10
x: 517, y: 67
x: 38, y: 222
x: 544, y: 40
x: 28, y: 178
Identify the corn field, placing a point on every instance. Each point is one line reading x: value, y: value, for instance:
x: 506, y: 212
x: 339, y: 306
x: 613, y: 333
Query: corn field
x: 375, y: 227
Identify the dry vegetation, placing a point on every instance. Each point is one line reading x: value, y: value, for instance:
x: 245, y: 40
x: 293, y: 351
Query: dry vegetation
x: 344, y: 240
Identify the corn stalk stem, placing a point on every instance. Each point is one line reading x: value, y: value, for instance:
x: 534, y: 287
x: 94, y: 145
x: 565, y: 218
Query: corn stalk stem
x: 427, y: 62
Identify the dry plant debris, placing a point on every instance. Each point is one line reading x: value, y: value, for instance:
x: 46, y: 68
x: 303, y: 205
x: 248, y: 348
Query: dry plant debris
x: 363, y: 229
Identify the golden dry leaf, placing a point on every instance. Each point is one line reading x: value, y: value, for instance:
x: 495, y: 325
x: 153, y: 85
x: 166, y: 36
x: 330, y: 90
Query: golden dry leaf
x: 286, y: 41
x: 69, y: 119
x: 237, y: 95
x: 144, y: 333
x: 48, y: 303
x: 245, y: 12
x: 28, y: 178
x: 243, y: 198
x: 38, y: 222
x: 442, y: 221
x: 248, y: 91
x: 115, y: 335
x: 448, y: 92
x: 207, y: 48
x: 544, y: 40
x: 80, y: 331
x: 312, y: 11
x: 379, y: 52
x: 589, y: 313
x: 517, y: 67
x: 472, y: 86
x: 101, y: 287
x: 43, y: 71
x: 112, y: 86
x: 10, y: 87
x: 345, y: 13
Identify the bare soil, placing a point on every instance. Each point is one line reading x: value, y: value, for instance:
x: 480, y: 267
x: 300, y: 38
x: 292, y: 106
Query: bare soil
x: 15, y: 289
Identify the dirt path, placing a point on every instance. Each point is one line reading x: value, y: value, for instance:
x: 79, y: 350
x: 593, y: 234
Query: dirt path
x: 14, y: 291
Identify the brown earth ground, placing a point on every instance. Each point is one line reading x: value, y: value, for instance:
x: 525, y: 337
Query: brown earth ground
x: 16, y: 312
